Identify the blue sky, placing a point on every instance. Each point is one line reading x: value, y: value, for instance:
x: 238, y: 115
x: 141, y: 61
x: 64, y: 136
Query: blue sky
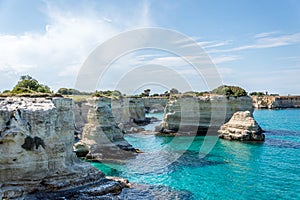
x: 254, y: 44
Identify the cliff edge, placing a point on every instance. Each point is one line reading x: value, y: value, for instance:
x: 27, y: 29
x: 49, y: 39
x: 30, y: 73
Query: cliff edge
x: 36, y: 147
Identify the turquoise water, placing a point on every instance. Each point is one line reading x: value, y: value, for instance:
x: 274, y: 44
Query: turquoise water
x: 232, y: 170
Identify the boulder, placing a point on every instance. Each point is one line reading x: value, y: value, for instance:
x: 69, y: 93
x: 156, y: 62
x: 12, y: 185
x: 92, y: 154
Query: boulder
x: 242, y: 127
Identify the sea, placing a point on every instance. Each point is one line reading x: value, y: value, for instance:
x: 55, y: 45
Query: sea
x: 231, y: 170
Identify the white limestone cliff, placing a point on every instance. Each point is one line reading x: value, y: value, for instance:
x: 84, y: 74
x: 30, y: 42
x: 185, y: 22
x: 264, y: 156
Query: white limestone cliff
x: 36, y: 148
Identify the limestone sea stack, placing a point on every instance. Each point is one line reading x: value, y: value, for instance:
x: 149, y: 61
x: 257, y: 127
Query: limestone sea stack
x: 242, y: 127
x: 198, y: 115
x: 102, y: 139
x: 36, y: 148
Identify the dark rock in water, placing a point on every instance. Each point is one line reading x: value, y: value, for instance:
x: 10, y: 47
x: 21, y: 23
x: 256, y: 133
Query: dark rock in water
x: 102, y: 189
x: 142, y: 122
x: 282, y: 143
x: 191, y: 159
x: 153, y: 192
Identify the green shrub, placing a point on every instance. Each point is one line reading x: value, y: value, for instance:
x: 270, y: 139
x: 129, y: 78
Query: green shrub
x: 257, y: 94
x: 229, y: 91
x: 27, y: 84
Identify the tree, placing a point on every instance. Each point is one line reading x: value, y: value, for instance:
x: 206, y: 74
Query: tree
x: 27, y: 84
x: 146, y: 93
x: 174, y: 91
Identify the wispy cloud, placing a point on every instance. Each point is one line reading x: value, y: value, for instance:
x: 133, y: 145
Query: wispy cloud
x: 223, y: 59
x: 265, y: 42
x: 265, y: 34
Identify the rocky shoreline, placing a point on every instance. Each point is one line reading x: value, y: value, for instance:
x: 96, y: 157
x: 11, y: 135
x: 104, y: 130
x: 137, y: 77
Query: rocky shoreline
x: 36, y: 146
x: 275, y: 102
x: 37, y: 135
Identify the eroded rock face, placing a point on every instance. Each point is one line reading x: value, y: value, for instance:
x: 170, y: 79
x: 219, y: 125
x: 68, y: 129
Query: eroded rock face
x: 36, y: 140
x: 275, y: 102
x: 155, y: 104
x: 128, y: 111
x: 242, y: 127
x: 197, y: 115
x: 101, y: 136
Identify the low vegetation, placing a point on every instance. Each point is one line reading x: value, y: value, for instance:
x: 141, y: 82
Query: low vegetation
x: 29, y: 87
x: 229, y: 91
x: 71, y: 91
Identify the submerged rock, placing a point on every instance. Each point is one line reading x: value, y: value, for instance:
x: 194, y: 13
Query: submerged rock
x: 242, y: 127
x: 153, y: 192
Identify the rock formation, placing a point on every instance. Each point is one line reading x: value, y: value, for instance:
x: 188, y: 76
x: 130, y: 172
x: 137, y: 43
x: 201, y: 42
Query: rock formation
x: 36, y: 147
x: 102, y: 139
x: 128, y: 111
x: 242, y: 127
x: 273, y: 102
x: 155, y: 104
x: 195, y: 115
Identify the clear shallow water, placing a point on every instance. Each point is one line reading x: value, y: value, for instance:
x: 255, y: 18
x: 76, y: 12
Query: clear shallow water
x: 151, y: 126
x: 232, y: 170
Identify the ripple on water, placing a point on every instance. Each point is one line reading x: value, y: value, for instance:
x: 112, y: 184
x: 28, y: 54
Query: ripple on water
x: 232, y: 170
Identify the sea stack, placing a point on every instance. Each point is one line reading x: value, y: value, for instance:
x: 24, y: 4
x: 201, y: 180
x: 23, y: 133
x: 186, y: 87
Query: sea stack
x: 102, y: 139
x: 242, y: 127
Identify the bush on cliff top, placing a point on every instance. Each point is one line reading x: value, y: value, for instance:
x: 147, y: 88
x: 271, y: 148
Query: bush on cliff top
x: 71, y: 91
x: 27, y: 84
x: 229, y: 91
x: 108, y: 93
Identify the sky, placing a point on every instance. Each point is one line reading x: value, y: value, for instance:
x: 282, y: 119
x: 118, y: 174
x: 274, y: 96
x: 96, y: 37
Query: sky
x: 252, y: 44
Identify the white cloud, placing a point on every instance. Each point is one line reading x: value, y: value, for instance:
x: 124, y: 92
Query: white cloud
x: 265, y: 42
x: 63, y: 46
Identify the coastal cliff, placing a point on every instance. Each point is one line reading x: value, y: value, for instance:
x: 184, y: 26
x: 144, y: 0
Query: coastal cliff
x: 195, y: 115
x: 102, y: 139
x: 36, y: 147
x: 274, y: 102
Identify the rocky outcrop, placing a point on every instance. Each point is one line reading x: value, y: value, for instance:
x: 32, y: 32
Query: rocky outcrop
x: 128, y: 111
x: 102, y: 139
x: 36, y: 147
x: 197, y: 115
x: 242, y: 127
x: 274, y: 102
x: 155, y: 104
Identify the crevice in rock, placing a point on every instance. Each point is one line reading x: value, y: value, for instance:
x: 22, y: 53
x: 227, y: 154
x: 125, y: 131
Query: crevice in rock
x: 30, y: 143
